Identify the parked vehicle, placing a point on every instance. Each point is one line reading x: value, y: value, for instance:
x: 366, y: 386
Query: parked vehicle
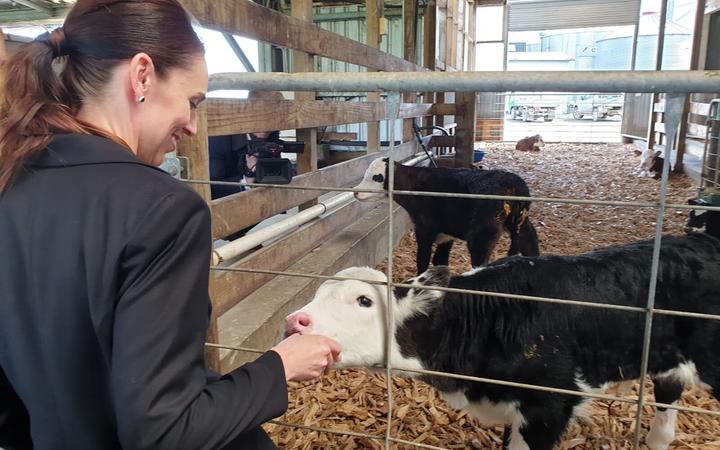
x: 532, y: 107
x: 599, y: 106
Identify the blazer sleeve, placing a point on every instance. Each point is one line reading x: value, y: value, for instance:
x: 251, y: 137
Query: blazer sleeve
x: 163, y: 397
x: 14, y: 419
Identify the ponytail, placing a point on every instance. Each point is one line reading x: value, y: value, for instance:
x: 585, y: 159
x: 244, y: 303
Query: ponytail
x: 34, y: 105
x: 96, y: 37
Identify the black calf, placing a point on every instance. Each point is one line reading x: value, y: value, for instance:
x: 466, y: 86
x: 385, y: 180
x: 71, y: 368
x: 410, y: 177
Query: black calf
x: 568, y: 347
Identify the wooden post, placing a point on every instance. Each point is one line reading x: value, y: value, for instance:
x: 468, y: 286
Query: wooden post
x: 452, y: 35
x: 658, y: 66
x: 429, y: 42
x: 694, y: 64
x: 195, y: 149
x: 3, y: 57
x: 305, y: 62
x: 472, y: 12
x: 465, y: 136
x: 3, y: 52
x: 373, y: 11
x: 410, y: 54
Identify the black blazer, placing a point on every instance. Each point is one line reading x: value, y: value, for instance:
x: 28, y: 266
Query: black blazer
x: 104, y: 305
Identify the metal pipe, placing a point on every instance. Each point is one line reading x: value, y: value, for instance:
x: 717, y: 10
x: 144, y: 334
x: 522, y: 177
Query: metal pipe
x: 569, y: 201
x: 394, y: 107
x: 245, y: 243
x: 673, y: 110
x: 636, y: 32
x: 676, y: 81
x: 239, y: 52
x: 581, y: 303
x: 37, y: 6
x: 252, y: 240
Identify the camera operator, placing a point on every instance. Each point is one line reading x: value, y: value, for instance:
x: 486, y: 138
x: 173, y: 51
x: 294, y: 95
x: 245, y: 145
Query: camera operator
x: 251, y: 160
x: 229, y: 156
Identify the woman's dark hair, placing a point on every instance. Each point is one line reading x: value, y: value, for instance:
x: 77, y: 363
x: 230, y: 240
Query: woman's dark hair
x: 97, y: 36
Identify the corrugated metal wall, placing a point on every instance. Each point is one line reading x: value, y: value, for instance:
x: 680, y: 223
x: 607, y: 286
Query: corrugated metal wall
x: 525, y: 15
x: 354, y: 28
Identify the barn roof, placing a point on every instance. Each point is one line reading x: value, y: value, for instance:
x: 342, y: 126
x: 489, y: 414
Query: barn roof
x: 32, y: 10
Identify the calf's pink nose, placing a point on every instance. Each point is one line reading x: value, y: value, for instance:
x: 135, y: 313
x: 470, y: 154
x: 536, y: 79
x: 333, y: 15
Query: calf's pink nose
x: 297, y: 323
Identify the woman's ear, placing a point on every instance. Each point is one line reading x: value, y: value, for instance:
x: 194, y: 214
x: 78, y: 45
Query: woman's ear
x: 142, y: 75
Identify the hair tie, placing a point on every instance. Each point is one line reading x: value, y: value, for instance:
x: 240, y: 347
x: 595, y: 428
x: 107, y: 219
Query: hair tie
x: 55, y: 40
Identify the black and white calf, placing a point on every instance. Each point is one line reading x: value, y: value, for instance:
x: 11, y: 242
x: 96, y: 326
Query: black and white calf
x: 568, y: 347
x: 703, y: 220
x: 440, y: 220
x: 651, y: 164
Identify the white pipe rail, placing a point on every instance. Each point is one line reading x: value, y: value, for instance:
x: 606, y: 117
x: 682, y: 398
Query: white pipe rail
x: 241, y: 245
x: 252, y: 240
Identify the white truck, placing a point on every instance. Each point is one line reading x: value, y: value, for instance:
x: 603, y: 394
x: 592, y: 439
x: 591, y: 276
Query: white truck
x: 532, y: 107
x: 599, y: 106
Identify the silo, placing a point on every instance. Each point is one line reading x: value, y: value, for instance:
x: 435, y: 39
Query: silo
x: 614, y: 50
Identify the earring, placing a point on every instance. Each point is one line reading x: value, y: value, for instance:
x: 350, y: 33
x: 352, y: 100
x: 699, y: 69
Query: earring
x: 141, y: 99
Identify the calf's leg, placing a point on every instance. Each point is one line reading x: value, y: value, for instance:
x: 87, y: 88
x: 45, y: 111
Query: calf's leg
x: 523, y: 238
x: 442, y: 254
x: 424, y: 250
x: 539, y: 432
x: 481, y: 244
x: 662, y: 427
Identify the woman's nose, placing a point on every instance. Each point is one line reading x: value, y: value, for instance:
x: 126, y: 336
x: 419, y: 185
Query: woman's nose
x: 191, y: 128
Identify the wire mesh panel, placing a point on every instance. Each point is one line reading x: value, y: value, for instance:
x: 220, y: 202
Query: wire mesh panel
x: 655, y: 209
x: 710, y: 185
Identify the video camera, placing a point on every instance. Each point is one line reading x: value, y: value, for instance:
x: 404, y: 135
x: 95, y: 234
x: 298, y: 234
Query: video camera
x: 271, y: 167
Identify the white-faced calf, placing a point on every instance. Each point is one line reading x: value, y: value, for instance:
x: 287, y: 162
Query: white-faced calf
x: 651, y: 164
x: 440, y: 220
x: 568, y: 347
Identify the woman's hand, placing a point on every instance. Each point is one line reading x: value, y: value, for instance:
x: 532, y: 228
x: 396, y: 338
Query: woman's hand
x: 307, y: 356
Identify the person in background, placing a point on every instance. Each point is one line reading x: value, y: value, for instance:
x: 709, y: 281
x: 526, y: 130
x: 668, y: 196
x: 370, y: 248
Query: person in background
x: 229, y: 157
x: 104, y: 302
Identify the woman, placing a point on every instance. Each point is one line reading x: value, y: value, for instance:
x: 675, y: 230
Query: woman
x: 104, y: 266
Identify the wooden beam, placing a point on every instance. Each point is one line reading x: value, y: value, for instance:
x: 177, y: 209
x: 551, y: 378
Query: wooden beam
x: 658, y: 66
x: 472, y: 32
x: 248, y: 19
x: 232, y: 287
x: 3, y: 57
x: 429, y: 30
x: 694, y: 63
x: 256, y: 320
x: 234, y: 116
x: 3, y: 51
x: 244, y: 209
x: 195, y: 148
x: 712, y: 6
x: 410, y: 54
x: 442, y: 141
x: 373, y: 11
x: 305, y: 62
x: 465, y: 133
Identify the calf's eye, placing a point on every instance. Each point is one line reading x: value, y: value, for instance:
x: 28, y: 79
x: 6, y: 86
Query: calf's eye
x: 364, y: 301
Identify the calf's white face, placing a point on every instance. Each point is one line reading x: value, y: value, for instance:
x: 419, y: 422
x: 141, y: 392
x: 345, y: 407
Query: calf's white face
x: 540, y: 143
x: 351, y: 312
x: 374, y: 179
x: 354, y: 313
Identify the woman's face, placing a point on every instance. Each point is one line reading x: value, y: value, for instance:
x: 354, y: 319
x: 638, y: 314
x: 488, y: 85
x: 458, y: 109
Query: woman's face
x: 170, y: 110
